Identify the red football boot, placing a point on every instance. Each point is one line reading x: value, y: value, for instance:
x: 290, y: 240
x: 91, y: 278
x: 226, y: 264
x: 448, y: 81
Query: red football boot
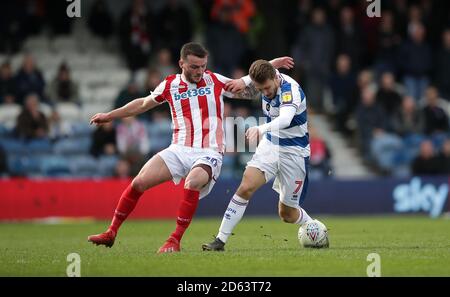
x: 170, y: 246
x: 106, y: 238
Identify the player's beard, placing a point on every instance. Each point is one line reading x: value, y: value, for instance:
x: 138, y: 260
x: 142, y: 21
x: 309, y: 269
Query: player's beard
x: 274, y: 91
x: 193, y: 78
x: 272, y: 94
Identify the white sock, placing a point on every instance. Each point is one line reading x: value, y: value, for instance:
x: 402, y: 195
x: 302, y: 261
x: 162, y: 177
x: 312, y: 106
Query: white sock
x: 232, y: 216
x: 303, y: 217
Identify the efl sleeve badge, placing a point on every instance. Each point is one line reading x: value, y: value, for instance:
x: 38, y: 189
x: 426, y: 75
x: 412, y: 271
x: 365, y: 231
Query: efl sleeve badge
x: 286, y: 97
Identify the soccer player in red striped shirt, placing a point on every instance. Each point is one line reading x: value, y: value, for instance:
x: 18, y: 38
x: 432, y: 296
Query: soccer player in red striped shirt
x: 195, y: 98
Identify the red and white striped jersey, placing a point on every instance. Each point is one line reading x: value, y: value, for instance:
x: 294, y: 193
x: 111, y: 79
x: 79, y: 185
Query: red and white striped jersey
x: 197, y: 109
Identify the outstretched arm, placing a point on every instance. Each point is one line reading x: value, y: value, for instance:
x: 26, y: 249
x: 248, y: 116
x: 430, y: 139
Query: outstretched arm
x: 135, y: 107
x: 237, y: 86
x: 282, y: 62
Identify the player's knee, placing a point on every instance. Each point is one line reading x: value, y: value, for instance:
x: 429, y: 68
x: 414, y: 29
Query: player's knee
x: 193, y: 184
x: 246, y: 190
x: 139, y: 184
x: 287, y: 216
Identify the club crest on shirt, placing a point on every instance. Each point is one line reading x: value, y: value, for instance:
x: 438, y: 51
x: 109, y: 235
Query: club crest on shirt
x: 208, y: 80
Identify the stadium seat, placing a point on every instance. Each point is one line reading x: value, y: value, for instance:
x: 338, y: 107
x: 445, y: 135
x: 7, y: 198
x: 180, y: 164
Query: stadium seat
x: 88, y: 111
x: 37, y: 44
x: 9, y: 114
x: 4, y: 131
x: 72, y: 146
x: 64, y: 44
x: 54, y: 166
x: 160, y: 134
x: 38, y: 146
x: 83, y: 166
x: 45, y: 109
x: 105, y: 94
x: 49, y: 74
x: 3, y: 58
x: 24, y: 165
x: 13, y: 145
x: 82, y: 128
x: 105, y: 62
x: 68, y: 111
x: 86, y: 94
x: 227, y: 170
x: 106, y: 165
x: 140, y: 76
x: 80, y: 62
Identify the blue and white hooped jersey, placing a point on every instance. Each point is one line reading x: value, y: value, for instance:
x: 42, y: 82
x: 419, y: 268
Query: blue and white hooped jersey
x: 295, y: 137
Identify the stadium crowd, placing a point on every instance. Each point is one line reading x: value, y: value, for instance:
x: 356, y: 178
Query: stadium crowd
x: 384, y: 82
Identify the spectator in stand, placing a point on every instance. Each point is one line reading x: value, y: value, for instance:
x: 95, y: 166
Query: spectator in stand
x: 29, y: 79
x: 58, y: 128
x: 133, y: 143
x: 164, y: 63
x: 388, y: 42
x: 349, y: 39
x: 31, y: 122
x: 442, y: 68
x: 122, y: 169
x: 7, y: 84
x: 104, y: 140
x: 314, y: 51
x: 241, y: 12
x: 408, y: 123
x: 400, y: 11
x: 100, y: 20
x: 426, y: 163
x: 343, y: 84
x: 388, y: 96
x: 12, y: 27
x: 226, y: 35
x: 57, y: 18
x: 320, y: 155
x: 63, y: 89
x: 370, y: 28
x: 132, y: 137
x: 408, y: 120
x: 153, y: 79
x: 127, y: 94
x: 175, y: 27
x: 384, y: 145
x: 160, y: 130
x: 415, y: 61
x: 364, y: 81
x: 136, y: 34
x: 444, y: 157
x: 415, y: 15
x: 370, y: 118
x: 436, y: 119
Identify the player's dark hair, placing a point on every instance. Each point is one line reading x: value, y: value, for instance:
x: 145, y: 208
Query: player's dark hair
x: 261, y: 70
x: 194, y: 49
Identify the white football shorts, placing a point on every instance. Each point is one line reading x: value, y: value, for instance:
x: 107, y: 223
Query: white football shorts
x: 289, y: 170
x: 181, y: 159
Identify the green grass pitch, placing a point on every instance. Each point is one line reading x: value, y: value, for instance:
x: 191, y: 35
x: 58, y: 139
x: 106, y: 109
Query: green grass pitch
x: 407, y: 245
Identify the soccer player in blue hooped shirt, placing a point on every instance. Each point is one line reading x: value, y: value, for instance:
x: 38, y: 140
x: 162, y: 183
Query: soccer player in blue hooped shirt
x: 283, y: 152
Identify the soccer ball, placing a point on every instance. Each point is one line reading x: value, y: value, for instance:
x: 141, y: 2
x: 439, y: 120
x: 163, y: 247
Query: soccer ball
x: 313, y: 234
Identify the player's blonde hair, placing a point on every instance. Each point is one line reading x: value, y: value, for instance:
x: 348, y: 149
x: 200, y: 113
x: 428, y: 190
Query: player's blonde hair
x: 261, y: 70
